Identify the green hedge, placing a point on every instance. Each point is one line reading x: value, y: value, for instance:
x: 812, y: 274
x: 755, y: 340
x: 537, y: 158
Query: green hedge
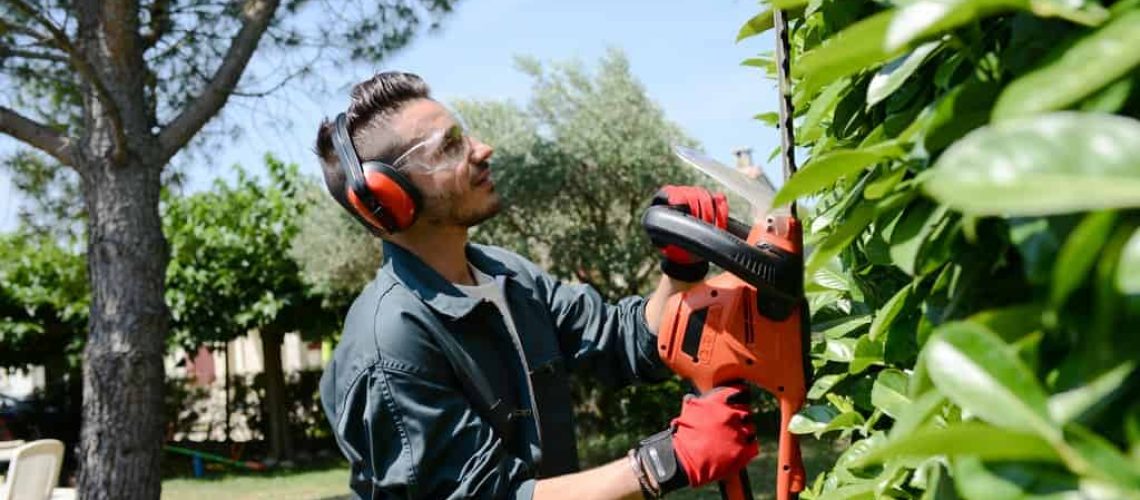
x: 974, y: 175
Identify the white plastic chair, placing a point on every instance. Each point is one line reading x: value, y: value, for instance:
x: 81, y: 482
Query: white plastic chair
x: 33, y: 471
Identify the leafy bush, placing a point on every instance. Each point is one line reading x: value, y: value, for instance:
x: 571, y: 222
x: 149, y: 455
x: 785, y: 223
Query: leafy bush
x: 975, y: 263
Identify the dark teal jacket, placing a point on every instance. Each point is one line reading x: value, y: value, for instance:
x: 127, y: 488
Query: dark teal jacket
x: 402, y: 417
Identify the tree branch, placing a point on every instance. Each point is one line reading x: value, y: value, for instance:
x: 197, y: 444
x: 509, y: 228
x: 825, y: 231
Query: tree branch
x: 256, y: 14
x: 37, y: 135
x: 6, y: 52
x: 81, y: 66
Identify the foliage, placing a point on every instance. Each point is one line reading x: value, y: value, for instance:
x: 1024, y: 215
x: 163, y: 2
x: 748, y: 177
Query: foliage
x: 230, y: 269
x: 43, y: 300
x: 575, y: 189
x: 974, y: 244
x: 337, y: 259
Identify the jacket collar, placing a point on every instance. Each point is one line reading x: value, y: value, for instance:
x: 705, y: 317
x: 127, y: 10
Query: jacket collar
x: 431, y: 287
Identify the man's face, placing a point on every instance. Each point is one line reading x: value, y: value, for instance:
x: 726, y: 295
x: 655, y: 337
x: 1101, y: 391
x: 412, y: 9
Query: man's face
x: 449, y: 167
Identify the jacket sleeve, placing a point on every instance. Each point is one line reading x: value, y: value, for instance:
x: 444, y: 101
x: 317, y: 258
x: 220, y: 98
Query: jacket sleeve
x: 609, y: 341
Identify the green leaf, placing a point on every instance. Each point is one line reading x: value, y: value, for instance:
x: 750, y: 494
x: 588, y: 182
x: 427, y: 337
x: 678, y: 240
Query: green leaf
x: 846, y: 327
x: 889, y: 393
x: 884, y: 184
x: 980, y: 373
x: 1092, y: 63
x: 824, y: 384
x: 892, y: 75
x: 856, y: 48
x: 917, y: 414
x: 1096, y: 456
x: 1070, y: 405
x: 974, y: 439
x: 912, y: 230
x: 1012, y: 481
x: 886, y: 314
x: 1128, y: 270
x: 840, y: 350
x: 923, y: 18
x: 812, y: 419
x: 867, y: 352
x: 1058, y: 163
x: 821, y: 108
x: 770, y: 118
x: 1078, y: 255
x: 846, y: 421
x: 758, y: 24
x: 1109, y: 99
x: 823, y: 171
x: 1010, y: 323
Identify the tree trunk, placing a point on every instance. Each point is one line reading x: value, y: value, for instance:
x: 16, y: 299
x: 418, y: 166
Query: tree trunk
x: 280, y: 444
x: 121, y: 440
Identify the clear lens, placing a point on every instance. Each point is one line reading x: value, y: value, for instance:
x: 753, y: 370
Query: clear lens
x: 443, y: 149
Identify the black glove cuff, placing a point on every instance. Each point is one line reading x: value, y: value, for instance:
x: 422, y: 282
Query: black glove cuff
x: 660, y: 461
x: 690, y: 273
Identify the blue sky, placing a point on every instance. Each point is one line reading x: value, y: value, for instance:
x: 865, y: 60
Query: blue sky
x: 682, y: 51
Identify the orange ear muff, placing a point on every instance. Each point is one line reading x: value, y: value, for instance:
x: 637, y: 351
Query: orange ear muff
x: 397, y: 197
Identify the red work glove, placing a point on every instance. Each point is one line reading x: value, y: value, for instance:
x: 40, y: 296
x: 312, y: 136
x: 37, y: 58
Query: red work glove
x: 714, y: 437
x: 698, y: 202
x: 711, y: 440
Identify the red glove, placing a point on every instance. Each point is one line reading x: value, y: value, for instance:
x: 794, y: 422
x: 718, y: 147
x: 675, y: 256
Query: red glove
x: 697, y: 202
x: 714, y: 437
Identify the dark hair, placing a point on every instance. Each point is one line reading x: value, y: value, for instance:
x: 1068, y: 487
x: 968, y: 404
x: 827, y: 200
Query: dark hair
x: 373, y: 102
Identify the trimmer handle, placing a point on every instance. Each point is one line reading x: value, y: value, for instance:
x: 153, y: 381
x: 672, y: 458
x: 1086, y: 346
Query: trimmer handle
x: 764, y: 266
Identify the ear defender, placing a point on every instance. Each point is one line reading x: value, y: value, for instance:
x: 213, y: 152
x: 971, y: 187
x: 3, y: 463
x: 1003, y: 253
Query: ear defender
x: 380, y: 196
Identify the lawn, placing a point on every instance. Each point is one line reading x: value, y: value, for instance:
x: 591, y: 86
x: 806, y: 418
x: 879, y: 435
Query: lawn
x: 332, y: 483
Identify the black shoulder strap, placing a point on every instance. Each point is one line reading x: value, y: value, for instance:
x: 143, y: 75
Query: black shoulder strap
x: 476, y: 386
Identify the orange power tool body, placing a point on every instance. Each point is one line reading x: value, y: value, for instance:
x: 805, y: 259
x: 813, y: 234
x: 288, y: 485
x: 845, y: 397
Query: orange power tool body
x: 748, y: 324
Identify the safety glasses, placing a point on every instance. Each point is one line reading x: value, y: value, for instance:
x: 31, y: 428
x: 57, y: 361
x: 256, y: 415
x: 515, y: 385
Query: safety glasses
x: 443, y: 149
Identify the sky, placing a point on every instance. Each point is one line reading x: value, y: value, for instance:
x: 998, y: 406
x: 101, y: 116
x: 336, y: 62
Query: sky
x: 682, y: 51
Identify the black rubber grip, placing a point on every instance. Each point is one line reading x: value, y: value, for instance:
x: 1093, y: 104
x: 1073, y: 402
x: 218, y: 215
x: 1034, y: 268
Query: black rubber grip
x: 766, y: 266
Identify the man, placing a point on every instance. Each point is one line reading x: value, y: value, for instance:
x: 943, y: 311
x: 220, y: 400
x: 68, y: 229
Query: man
x: 450, y: 379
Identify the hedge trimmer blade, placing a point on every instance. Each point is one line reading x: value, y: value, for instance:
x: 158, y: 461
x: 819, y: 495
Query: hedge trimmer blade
x: 758, y: 191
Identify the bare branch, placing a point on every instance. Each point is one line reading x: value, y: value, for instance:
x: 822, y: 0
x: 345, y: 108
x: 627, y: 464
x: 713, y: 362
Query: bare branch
x: 256, y: 16
x: 37, y: 135
x: 6, y: 52
x: 81, y: 66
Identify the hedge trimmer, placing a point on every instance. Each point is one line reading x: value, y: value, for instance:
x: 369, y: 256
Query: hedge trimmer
x: 750, y: 323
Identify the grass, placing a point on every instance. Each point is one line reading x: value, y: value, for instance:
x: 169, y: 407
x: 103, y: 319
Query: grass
x: 332, y: 483
x: 326, y: 484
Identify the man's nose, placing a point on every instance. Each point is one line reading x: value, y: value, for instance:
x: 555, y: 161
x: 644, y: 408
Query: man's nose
x: 480, y: 152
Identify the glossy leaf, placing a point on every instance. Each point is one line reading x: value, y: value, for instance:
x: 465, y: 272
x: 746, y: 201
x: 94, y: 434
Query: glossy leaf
x: 889, y: 393
x: 1059, y: 163
x: 867, y: 352
x: 1128, y: 270
x: 888, y: 313
x: 858, y: 47
x: 1091, y: 64
x: 980, y: 373
x: 1010, y: 323
x: 812, y: 420
x: 912, y: 231
x: 921, y: 18
x: 1078, y: 255
x: 822, y: 172
x: 758, y: 24
x: 1071, y: 404
x: 973, y: 439
x: 892, y: 75
x: 823, y: 384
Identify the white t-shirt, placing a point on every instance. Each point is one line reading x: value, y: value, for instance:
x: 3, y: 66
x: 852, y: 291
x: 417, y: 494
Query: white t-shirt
x: 486, y: 288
